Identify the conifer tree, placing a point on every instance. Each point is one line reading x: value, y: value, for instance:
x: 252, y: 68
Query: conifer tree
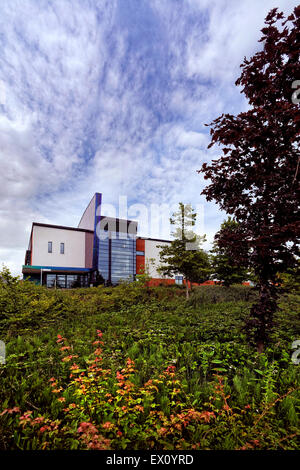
x: 184, y: 255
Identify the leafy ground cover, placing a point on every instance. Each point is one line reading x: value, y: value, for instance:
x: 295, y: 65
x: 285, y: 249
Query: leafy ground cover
x: 138, y: 368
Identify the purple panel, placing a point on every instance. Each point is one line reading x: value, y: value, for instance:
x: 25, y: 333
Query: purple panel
x: 89, y: 243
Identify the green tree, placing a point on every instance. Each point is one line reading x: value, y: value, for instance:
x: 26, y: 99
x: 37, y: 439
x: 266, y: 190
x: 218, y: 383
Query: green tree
x: 184, y: 255
x: 290, y: 280
x: 225, y: 266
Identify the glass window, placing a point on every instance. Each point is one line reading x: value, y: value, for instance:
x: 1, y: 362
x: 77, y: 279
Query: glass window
x: 116, y: 257
x: 61, y: 281
x: 178, y: 279
x: 49, y: 247
x: 72, y: 281
x: 140, y: 253
x: 69, y: 281
x: 51, y: 280
x: 62, y: 248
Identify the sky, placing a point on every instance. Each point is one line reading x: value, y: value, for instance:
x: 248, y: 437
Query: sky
x: 112, y: 96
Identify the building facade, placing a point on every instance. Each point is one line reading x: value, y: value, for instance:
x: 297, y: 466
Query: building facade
x: 99, y: 249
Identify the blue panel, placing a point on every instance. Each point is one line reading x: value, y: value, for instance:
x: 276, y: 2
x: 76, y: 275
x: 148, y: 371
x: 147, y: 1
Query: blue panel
x: 117, y: 256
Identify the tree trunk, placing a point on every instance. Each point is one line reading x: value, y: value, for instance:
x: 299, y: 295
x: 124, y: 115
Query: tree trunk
x: 187, y: 292
x: 260, y: 321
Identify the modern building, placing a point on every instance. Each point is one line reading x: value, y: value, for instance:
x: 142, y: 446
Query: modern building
x: 100, y: 246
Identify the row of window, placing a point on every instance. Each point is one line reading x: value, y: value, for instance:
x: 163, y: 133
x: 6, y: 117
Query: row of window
x: 67, y: 281
x: 62, y: 248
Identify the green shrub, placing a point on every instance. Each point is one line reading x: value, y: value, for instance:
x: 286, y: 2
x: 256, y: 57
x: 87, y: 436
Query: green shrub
x: 214, y: 294
x: 157, y: 329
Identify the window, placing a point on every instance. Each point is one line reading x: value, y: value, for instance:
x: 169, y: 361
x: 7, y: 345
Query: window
x: 51, y: 280
x: 178, y: 279
x: 140, y: 253
x: 49, y: 247
x: 61, y: 281
x: 62, y: 248
x: 69, y: 281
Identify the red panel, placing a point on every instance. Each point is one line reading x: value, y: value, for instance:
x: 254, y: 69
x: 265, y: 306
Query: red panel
x: 140, y: 260
x: 157, y: 282
x: 140, y: 245
x: 140, y: 264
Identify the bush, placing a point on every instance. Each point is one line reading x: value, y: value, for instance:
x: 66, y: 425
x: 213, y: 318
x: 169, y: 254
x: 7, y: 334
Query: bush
x: 101, y: 409
x: 196, y: 348
x: 214, y: 294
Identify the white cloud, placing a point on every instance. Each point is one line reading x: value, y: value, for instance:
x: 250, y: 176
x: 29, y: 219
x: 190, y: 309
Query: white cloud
x: 103, y: 96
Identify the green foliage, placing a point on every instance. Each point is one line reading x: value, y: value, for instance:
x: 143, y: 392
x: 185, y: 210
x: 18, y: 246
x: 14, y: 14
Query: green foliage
x: 192, y: 380
x: 214, y: 294
x: 184, y: 255
x: 193, y: 264
x: 290, y: 280
x: 225, y: 268
x: 144, y: 276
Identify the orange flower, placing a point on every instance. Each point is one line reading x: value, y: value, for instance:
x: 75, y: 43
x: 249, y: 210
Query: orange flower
x: 120, y: 376
x: 98, y: 351
x: 207, y: 415
x: 108, y: 425
x: 39, y: 419
x: 45, y: 428
x: 139, y: 408
x: 10, y: 411
x: 60, y: 339
x: 162, y: 431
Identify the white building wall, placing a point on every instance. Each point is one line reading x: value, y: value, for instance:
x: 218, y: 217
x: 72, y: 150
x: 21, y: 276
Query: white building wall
x: 152, y: 253
x: 74, y: 256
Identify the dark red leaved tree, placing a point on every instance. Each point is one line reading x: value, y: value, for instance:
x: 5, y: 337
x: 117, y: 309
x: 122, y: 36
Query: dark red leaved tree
x: 256, y: 178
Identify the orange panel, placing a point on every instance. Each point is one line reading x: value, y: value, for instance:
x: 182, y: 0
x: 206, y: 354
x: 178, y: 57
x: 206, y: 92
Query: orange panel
x: 140, y: 264
x: 140, y: 245
x: 156, y: 282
